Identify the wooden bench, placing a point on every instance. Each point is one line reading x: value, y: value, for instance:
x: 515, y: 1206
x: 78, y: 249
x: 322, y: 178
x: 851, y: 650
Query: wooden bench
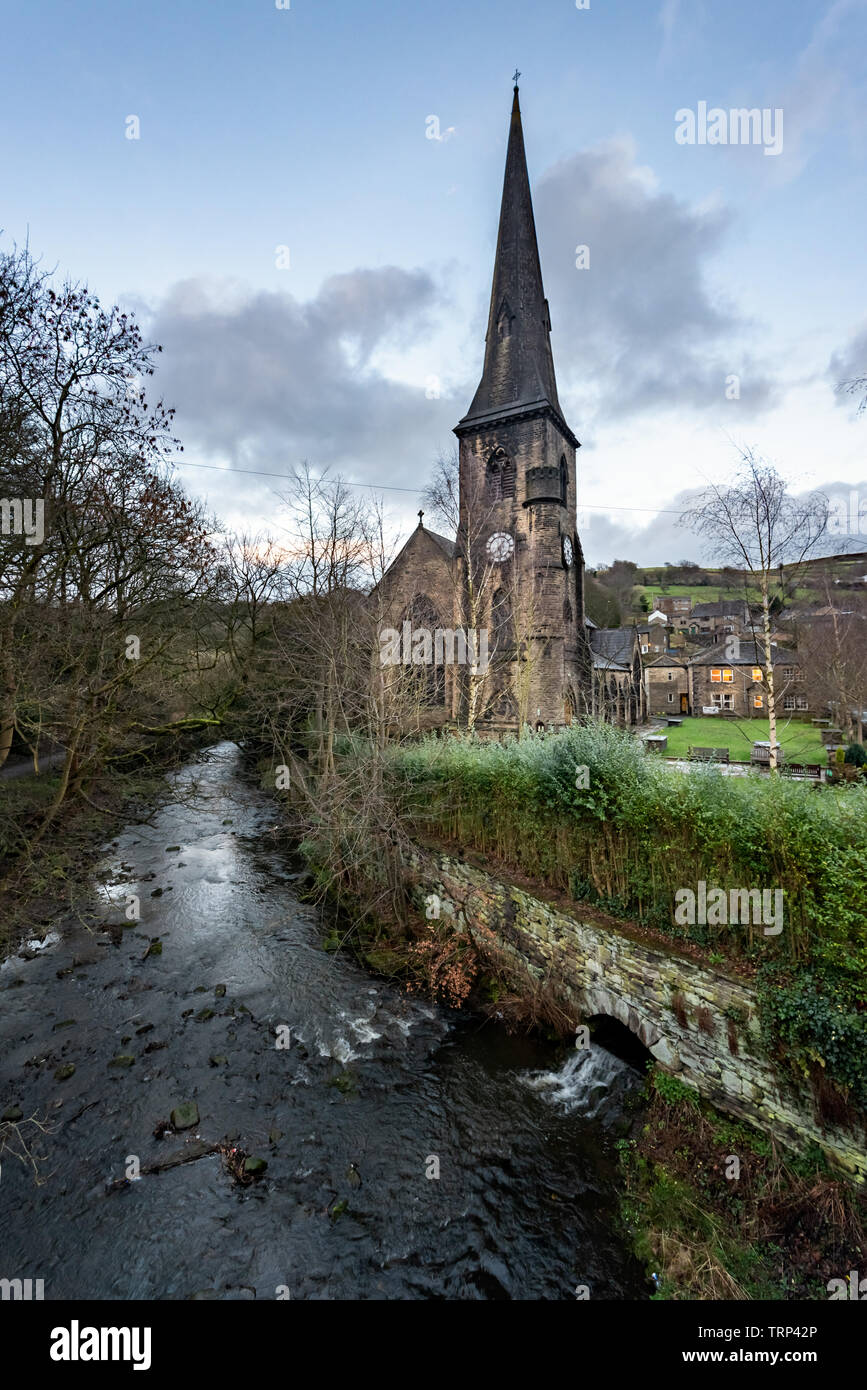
x: 811, y: 770
x: 761, y: 754
x: 709, y: 755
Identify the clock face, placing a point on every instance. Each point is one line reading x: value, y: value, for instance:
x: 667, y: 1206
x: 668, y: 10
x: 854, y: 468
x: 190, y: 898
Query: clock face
x: 500, y: 546
x: 567, y: 551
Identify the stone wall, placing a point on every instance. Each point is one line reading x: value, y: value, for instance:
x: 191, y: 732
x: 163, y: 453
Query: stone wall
x: 698, y: 1022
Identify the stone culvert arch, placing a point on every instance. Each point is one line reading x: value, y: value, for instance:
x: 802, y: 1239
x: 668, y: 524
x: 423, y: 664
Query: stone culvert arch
x: 597, y: 1001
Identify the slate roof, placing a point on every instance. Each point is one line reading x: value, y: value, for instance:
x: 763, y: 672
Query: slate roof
x: 447, y: 546
x: 666, y: 660
x: 613, y: 648
x: 750, y: 654
x: 519, y: 365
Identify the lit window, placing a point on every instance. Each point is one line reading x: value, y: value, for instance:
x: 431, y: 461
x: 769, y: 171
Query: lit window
x: 758, y: 701
x: 728, y: 677
x: 757, y: 673
x: 716, y: 676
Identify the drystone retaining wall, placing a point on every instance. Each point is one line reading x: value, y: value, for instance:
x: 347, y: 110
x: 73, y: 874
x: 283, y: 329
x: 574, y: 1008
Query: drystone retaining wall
x: 698, y: 1022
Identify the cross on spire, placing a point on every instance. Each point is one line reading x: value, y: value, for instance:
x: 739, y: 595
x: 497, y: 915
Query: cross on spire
x: 420, y: 515
x: 517, y: 75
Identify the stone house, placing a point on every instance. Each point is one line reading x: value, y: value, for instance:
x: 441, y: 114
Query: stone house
x: 666, y: 682
x: 725, y: 616
x: 653, y: 635
x: 676, y: 607
x: 730, y: 677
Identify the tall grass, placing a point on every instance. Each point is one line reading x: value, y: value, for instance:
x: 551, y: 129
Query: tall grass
x: 640, y: 830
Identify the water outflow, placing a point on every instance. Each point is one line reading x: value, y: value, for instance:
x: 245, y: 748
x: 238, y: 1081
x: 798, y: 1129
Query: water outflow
x: 591, y: 1082
x: 412, y: 1152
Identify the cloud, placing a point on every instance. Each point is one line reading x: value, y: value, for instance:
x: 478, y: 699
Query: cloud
x: 848, y: 367
x: 640, y: 329
x: 651, y: 542
x: 264, y: 380
x: 827, y: 91
x: 660, y: 539
x: 681, y: 26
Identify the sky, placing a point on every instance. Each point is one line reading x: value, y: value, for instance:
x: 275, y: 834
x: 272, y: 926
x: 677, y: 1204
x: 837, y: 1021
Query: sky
x: 306, y: 221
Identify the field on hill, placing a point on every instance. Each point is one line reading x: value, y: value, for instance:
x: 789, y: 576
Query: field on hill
x: 799, y: 742
x: 712, y: 593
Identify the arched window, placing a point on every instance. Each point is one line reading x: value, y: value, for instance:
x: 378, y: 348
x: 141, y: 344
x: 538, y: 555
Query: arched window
x: 502, y: 629
x: 567, y: 611
x: 500, y: 476
x: 423, y: 618
x: 564, y: 478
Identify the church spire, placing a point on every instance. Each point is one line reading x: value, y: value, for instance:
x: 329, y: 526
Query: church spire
x: 519, y: 366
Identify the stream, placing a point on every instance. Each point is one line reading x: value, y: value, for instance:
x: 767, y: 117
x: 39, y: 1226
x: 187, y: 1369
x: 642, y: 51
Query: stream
x: 373, y: 1095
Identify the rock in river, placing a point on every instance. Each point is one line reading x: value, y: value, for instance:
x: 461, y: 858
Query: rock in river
x: 184, y: 1116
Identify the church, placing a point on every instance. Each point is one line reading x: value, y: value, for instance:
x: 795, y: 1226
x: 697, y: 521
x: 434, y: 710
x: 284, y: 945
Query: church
x: 515, y: 570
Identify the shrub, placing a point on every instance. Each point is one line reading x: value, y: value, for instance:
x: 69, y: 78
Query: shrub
x: 639, y: 830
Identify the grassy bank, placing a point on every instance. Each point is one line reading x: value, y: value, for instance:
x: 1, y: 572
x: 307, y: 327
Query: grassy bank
x: 587, y: 813
x: 716, y: 1211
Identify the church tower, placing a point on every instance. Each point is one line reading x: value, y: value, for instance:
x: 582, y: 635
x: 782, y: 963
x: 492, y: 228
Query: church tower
x: 520, y: 560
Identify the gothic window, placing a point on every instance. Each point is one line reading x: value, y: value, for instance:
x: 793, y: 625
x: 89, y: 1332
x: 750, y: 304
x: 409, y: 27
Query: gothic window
x: 500, y: 476
x: 502, y: 634
x: 567, y: 611
x: 564, y: 478
x: 429, y: 674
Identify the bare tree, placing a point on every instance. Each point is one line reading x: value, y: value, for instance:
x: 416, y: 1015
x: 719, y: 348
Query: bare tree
x: 754, y: 523
x: 833, y: 645
x: 79, y: 438
x: 488, y: 595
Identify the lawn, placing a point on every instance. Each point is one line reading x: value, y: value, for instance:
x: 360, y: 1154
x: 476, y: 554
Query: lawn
x: 699, y: 593
x: 800, y: 742
x: 712, y: 593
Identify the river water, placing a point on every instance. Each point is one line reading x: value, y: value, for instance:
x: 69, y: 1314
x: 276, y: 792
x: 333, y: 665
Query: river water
x: 375, y: 1093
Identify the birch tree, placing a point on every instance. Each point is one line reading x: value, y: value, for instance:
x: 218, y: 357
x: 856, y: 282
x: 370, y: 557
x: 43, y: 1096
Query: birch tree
x: 755, y: 524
